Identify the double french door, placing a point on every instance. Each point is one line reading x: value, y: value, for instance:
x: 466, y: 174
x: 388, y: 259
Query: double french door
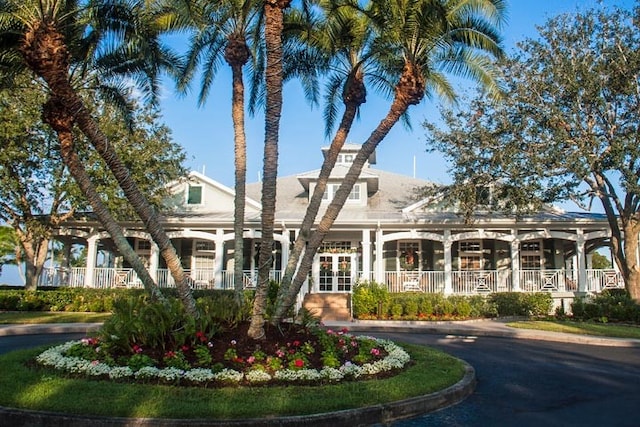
x: 337, y: 272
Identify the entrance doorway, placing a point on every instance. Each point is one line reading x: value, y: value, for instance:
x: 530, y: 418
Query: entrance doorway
x: 336, y: 272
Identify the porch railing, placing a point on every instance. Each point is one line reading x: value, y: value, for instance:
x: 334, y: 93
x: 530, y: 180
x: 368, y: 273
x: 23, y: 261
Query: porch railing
x: 462, y: 282
x: 416, y: 281
x: 548, y: 280
x: 599, y: 280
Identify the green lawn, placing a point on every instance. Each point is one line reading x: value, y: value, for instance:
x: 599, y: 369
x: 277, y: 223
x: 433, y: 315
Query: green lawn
x: 584, y: 328
x: 24, y: 387
x: 33, y: 317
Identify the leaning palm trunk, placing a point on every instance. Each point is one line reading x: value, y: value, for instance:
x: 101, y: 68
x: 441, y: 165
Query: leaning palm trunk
x: 46, y: 53
x: 313, y: 207
x: 409, y: 91
x: 62, y: 124
x: 274, y: 17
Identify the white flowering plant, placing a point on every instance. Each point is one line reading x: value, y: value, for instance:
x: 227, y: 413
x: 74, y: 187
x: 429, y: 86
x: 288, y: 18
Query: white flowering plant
x: 313, y: 356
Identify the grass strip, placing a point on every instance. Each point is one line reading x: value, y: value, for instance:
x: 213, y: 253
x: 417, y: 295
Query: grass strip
x: 39, y: 317
x: 583, y: 328
x: 26, y: 388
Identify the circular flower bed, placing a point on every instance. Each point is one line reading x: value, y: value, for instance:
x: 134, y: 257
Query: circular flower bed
x: 321, y: 357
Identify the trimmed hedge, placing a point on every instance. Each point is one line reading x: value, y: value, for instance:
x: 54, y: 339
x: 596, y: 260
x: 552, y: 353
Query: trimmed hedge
x: 84, y: 299
x: 372, y: 301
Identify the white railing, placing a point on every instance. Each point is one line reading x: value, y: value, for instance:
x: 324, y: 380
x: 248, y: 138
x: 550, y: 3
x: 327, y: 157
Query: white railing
x: 599, y: 280
x: 478, y: 282
x: 60, y: 276
x: 417, y: 281
x: 463, y: 282
x: 548, y: 280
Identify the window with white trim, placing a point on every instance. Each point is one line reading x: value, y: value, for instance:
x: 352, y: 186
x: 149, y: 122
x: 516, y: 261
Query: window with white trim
x: 194, y: 194
x: 531, y: 255
x: 354, y: 196
x: 470, y: 255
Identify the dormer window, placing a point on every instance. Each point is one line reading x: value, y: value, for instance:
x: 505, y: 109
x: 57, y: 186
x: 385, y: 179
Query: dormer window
x: 194, y: 195
x: 354, y: 196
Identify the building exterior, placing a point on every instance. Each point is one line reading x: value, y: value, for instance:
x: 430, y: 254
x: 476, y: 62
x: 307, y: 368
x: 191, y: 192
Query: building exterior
x: 384, y: 233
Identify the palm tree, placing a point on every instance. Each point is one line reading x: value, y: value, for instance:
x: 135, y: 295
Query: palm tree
x: 273, y: 30
x: 49, y: 34
x: 61, y: 122
x: 424, y: 39
x: 345, y: 38
x: 230, y: 31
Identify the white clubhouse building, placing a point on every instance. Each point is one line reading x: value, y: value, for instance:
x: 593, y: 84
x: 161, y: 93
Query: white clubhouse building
x: 383, y: 234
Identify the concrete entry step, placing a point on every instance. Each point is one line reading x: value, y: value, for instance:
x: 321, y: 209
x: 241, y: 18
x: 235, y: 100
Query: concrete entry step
x: 329, y: 306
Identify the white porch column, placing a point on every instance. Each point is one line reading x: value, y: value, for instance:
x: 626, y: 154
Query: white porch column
x: 448, y: 280
x: 92, y: 255
x: 515, y: 265
x: 379, y: 266
x: 285, y: 244
x: 154, y: 261
x: 219, y: 259
x: 366, y: 254
x: 582, y: 268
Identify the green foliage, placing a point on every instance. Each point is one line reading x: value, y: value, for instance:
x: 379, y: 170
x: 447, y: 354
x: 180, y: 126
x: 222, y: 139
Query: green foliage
x: 367, y: 298
x: 608, y: 306
x: 567, y: 96
x: 8, y: 244
x: 416, y: 306
x: 600, y: 262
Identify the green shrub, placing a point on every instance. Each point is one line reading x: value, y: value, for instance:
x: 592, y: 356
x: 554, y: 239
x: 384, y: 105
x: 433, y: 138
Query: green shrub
x: 411, y: 306
x: 396, y: 310
x: 367, y: 298
x: 538, y: 304
x: 425, y: 307
x: 509, y: 303
x: 613, y: 305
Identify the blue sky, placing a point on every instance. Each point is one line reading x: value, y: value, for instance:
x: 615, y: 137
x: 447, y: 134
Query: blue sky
x: 207, y: 135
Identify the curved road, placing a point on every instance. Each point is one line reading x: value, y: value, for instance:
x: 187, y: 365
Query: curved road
x: 520, y: 382
x: 538, y: 383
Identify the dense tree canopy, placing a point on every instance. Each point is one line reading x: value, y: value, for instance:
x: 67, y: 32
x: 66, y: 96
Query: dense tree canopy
x: 568, y: 127
x: 36, y: 190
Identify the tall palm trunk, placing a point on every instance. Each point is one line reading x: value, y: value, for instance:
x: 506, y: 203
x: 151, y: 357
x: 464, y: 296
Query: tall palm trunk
x: 46, y: 53
x: 62, y: 123
x: 409, y: 91
x: 274, y: 17
x: 237, y: 55
x: 351, y: 107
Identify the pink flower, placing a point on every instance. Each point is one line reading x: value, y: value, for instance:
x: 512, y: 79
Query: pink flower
x: 375, y: 352
x: 169, y: 354
x: 201, y: 336
x: 251, y: 359
x: 296, y: 343
x: 279, y: 353
x: 299, y: 363
x: 330, y: 332
x: 184, y: 348
x: 136, y: 348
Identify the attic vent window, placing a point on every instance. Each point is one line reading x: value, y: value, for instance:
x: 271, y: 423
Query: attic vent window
x: 194, y: 195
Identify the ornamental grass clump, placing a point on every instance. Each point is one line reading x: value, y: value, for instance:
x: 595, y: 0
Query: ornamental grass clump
x: 217, y: 352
